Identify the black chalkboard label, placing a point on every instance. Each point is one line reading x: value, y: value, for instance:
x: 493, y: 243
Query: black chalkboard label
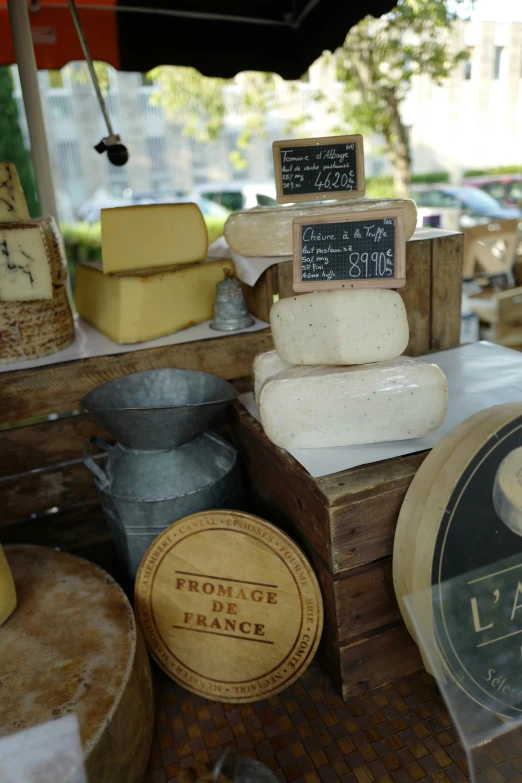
x: 350, y: 251
x: 319, y: 169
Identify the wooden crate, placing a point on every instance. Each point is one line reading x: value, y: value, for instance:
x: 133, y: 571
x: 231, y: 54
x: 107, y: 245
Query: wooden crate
x: 346, y: 524
x: 500, y: 314
x: 432, y: 293
x: 48, y: 496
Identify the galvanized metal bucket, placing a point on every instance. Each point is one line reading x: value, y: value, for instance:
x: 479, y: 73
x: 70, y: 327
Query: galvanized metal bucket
x: 143, y: 492
x: 165, y: 466
x: 159, y: 409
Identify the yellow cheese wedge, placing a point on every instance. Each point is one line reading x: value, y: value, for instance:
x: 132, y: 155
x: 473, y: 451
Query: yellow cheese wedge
x: 139, y: 307
x: 149, y: 236
x: 7, y: 589
x: 25, y: 267
x: 12, y: 199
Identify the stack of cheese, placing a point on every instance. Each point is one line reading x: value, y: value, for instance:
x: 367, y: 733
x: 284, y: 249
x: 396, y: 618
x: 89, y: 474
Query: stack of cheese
x: 337, y: 377
x: 153, y: 279
x: 35, y: 315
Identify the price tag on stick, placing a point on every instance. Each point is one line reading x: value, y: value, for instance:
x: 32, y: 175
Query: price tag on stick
x: 319, y: 169
x: 350, y: 250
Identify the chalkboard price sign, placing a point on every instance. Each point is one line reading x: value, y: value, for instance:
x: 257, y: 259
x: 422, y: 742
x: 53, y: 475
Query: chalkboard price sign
x: 319, y: 169
x: 350, y: 250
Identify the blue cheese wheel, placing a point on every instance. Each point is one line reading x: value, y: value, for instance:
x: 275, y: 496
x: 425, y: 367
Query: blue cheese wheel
x: 314, y: 407
x: 340, y: 327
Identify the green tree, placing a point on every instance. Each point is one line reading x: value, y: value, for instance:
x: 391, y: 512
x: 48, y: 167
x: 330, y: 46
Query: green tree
x: 200, y: 102
x: 12, y: 147
x: 378, y: 61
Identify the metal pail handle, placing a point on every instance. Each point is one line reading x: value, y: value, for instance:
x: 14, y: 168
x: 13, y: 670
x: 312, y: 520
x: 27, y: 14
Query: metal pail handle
x: 88, y: 461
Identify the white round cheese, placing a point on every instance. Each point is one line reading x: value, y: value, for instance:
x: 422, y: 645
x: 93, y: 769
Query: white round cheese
x: 314, y: 407
x: 340, y: 327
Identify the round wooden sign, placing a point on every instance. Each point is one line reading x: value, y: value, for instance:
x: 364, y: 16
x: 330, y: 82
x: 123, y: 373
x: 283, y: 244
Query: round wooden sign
x: 463, y: 526
x: 72, y: 646
x: 229, y: 605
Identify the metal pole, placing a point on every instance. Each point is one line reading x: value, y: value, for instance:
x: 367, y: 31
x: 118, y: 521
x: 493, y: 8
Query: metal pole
x: 90, y: 66
x: 23, y: 44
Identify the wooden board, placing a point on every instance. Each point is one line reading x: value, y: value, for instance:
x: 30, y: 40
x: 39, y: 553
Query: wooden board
x: 462, y: 545
x: 304, y: 173
x: 229, y: 605
x: 446, y: 292
x: 349, y: 247
x: 59, y: 388
x: 72, y: 646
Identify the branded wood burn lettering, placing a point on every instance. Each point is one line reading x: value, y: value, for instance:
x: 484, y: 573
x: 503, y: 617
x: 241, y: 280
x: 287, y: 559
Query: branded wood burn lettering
x: 235, y: 592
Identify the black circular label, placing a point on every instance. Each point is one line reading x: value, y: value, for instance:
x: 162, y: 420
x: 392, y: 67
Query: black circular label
x: 477, y: 576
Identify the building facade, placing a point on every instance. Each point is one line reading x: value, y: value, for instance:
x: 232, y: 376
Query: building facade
x: 472, y: 120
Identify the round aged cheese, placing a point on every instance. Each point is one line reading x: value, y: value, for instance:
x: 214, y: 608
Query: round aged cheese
x: 466, y: 558
x: 72, y: 647
x: 267, y: 231
x: 30, y: 330
x: 340, y: 327
x: 317, y: 407
x: 229, y: 605
x: 266, y: 365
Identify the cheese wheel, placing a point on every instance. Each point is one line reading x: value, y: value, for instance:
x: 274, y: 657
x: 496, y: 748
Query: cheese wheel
x: 412, y: 507
x: 148, y: 236
x: 340, y: 327
x: 316, y: 407
x: 267, y: 231
x: 7, y: 589
x: 12, y: 200
x: 30, y: 330
x: 136, y: 307
x: 72, y: 646
x: 266, y: 365
x: 463, y: 561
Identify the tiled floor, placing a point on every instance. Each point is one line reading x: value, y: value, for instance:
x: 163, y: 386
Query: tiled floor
x: 396, y: 734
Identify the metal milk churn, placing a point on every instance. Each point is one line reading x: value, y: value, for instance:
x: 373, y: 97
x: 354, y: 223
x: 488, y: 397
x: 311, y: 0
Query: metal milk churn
x: 165, y: 465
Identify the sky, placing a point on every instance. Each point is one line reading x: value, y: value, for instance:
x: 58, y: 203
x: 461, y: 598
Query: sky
x: 498, y: 11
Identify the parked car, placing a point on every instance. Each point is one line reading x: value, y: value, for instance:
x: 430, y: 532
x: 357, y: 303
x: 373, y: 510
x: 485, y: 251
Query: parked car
x: 239, y: 195
x: 505, y: 188
x: 91, y: 210
x: 461, y: 207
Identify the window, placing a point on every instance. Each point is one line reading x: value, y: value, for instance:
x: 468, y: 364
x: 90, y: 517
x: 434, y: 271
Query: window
x: 498, y: 62
x: 467, y: 65
x: 159, y: 163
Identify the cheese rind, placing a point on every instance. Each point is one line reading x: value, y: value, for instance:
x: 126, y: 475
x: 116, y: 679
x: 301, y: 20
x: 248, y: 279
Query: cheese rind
x: 152, y: 235
x: 340, y: 327
x: 7, y: 589
x: 30, y: 330
x: 267, y: 231
x: 25, y: 268
x: 12, y: 200
x: 266, y: 365
x: 316, y: 407
x: 135, y: 308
